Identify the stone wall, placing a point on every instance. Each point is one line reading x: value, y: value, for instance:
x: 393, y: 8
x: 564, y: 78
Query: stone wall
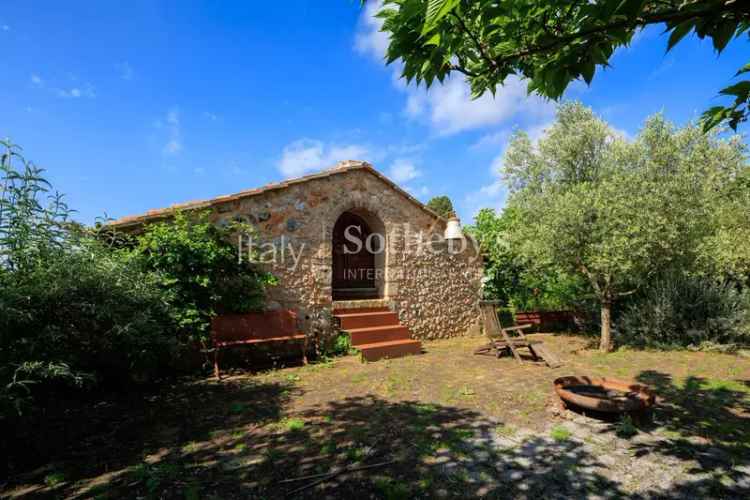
x: 434, y: 292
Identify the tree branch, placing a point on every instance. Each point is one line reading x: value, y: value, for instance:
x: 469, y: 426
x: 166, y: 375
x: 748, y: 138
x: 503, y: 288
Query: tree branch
x: 461, y: 69
x: 657, y: 18
x: 476, y: 41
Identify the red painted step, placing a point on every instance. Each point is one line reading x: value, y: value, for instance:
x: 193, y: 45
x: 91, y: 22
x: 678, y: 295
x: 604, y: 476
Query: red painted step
x: 390, y: 350
x: 377, y: 333
x: 368, y: 319
x: 361, y: 336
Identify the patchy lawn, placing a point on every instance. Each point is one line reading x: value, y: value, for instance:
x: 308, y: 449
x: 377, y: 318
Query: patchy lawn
x: 444, y: 424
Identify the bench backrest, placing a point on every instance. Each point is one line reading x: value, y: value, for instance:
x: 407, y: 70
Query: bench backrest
x: 489, y: 319
x: 492, y: 327
x: 250, y: 326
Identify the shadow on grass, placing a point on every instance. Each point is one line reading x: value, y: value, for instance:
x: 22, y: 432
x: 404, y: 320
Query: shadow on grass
x: 242, y: 439
x: 114, y: 447
x: 707, y: 426
x: 422, y: 450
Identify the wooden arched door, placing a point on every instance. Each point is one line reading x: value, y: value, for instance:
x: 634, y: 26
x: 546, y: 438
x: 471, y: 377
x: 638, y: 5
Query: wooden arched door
x: 353, y: 265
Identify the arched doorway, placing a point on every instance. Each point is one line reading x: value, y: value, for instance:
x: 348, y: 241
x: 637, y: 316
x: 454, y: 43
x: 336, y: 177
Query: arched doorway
x: 358, y: 246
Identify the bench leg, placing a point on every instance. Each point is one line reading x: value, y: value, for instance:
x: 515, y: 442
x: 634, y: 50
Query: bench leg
x: 217, y: 373
x: 304, y: 351
x: 533, y: 354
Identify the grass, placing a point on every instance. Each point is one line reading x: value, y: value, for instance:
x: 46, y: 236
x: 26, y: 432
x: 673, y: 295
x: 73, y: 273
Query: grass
x: 467, y: 391
x: 293, y: 424
x: 625, y: 428
x: 391, y: 489
x: 560, y: 434
x: 241, y: 437
x: 503, y: 430
x: 54, y: 479
x: 237, y: 408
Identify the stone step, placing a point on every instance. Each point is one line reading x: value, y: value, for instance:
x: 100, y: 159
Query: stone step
x: 391, y: 349
x: 356, y: 310
x: 370, y: 335
x: 367, y: 319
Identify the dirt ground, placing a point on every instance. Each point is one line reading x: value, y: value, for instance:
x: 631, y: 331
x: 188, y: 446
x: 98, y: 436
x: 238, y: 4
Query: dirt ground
x: 446, y: 423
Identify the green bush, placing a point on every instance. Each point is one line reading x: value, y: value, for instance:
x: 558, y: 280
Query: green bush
x: 78, y: 309
x: 87, y: 309
x: 509, y: 278
x: 341, y: 345
x: 83, y: 308
x: 196, y: 265
x: 679, y: 311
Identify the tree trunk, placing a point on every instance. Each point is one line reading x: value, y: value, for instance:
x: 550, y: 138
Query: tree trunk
x: 605, y: 343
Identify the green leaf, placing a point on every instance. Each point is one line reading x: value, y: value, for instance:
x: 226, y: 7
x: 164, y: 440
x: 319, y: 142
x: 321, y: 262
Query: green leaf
x: 436, y: 10
x: 587, y: 71
x: 723, y: 34
x: 743, y: 69
x: 712, y: 117
x: 434, y: 40
x: 741, y: 89
x: 679, y: 32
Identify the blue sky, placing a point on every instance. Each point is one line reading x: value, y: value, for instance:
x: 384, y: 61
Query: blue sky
x: 138, y: 105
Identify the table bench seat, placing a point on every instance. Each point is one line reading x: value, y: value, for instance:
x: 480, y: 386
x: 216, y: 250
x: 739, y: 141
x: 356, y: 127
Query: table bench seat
x: 231, y: 330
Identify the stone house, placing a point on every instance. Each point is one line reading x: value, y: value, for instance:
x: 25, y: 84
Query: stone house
x: 349, y: 241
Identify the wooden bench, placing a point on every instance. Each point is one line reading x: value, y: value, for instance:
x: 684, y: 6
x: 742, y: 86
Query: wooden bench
x: 229, y: 330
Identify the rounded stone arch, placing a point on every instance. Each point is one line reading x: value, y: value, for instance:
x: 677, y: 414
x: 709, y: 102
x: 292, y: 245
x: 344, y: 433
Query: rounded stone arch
x: 373, y: 217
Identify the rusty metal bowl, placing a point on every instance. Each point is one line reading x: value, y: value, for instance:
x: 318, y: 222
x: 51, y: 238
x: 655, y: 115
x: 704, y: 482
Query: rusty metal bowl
x: 607, y: 395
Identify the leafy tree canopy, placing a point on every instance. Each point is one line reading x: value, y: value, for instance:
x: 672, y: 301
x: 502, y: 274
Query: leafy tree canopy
x: 552, y: 42
x: 507, y: 279
x: 616, y: 211
x: 442, y: 205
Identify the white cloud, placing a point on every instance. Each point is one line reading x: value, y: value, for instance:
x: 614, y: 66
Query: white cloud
x: 494, y: 193
x: 306, y: 155
x: 448, y: 108
x: 174, y: 133
x: 403, y: 170
x: 125, y: 70
x: 420, y: 192
x: 492, y: 139
x: 77, y: 92
x: 36, y: 80
x: 502, y: 136
x: 491, y: 195
x: 369, y: 40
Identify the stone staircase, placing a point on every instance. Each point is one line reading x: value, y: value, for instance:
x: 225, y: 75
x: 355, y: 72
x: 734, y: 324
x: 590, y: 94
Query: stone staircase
x: 376, y: 332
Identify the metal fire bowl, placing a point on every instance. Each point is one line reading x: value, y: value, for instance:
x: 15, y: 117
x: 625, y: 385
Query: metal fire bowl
x: 606, y: 395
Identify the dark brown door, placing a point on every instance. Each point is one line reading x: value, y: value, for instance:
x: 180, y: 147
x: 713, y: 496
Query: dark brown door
x: 353, y: 264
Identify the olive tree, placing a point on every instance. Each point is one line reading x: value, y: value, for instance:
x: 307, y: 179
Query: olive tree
x: 616, y: 211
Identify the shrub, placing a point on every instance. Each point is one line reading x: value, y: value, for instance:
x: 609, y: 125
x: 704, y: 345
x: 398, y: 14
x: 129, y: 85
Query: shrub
x: 88, y: 309
x: 196, y: 264
x: 72, y: 312
x: 340, y: 346
x: 679, y: 310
